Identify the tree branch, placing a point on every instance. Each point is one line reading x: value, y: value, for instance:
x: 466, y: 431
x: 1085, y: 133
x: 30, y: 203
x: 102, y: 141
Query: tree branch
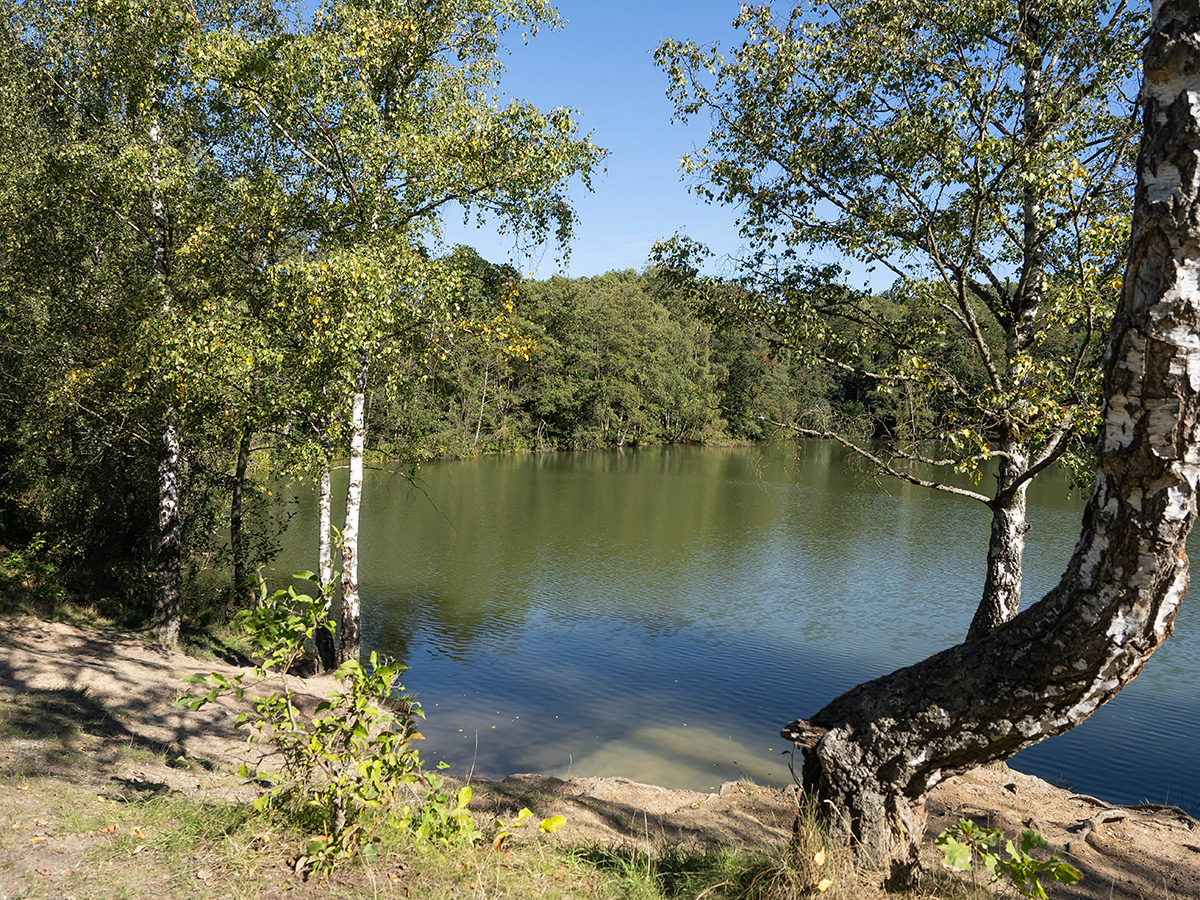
x: 871, y: 457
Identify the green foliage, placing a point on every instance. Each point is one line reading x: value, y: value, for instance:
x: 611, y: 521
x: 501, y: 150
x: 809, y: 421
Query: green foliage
x: 504, y: 830
x: 32, y: 571
x: 982, y: 155
x: 352, y: 762
x: 210, y: 213
x: 351, y: 768
x: 965, y: 843
x: 615, y: 360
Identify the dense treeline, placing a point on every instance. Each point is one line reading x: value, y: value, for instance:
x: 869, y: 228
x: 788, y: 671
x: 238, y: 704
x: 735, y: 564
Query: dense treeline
x: 567, y: 364
x: 618, y: 360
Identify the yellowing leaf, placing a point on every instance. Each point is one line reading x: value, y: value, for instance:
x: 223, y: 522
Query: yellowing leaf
x: 552, y: 824
x: 819, y: 857
x: 824, y: 884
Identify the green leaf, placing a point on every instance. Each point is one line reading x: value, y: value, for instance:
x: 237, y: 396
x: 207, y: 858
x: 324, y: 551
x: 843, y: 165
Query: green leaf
x: 1064, y: 872
x: 956, y: 855
x: 1031, y: 840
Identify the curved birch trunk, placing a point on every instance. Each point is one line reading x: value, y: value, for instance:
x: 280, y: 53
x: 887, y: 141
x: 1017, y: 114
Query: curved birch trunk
x: 873, y: 753
x: 350, y: 635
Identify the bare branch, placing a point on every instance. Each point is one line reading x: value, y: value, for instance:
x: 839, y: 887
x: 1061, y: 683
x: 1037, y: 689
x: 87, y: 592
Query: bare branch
x: 882, y: 464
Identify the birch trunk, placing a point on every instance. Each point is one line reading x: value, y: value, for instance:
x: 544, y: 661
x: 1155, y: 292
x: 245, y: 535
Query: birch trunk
x: 242, y: 588
x: 350, y: 635
x: 1001, y: 598
x: 166, y: 617
x: 326, y: 652
x: 873, y: 753
x: 1006, y: 545
x: 168, y: 577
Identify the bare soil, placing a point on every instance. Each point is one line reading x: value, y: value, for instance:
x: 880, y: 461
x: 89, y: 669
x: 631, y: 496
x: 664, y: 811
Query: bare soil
x: 78, y: 705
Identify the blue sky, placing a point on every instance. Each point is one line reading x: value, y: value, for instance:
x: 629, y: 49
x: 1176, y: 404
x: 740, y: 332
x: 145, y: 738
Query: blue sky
x: 601, y: 64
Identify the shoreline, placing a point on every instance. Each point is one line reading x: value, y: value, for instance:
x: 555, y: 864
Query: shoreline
x: 121, y: 687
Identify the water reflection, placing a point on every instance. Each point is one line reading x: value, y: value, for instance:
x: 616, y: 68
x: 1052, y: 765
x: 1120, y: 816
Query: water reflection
x: 658, y: 614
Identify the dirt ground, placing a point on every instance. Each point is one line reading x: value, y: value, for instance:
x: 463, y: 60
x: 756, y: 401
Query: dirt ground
x: 122, y: 686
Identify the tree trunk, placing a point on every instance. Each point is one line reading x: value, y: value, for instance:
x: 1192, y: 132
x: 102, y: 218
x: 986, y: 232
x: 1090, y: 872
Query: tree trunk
x: 168, y: 578
x: 1006, y: 545
x: 326, y: 652
x: 242, y: 588
x: 1027, y: 299
x: 873, y: 753
x: 165, y: 618
x: 482, y: 401
x: 350, y: 636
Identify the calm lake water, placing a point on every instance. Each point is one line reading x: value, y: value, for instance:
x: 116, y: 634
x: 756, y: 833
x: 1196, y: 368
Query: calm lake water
x: 659, y: 614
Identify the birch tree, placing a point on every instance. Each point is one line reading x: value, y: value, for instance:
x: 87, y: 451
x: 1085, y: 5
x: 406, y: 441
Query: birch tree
x: 872, y: 754
x: 981, y: 153
x: 133, y: 246
x: 103, y: 82
x: 386, y: 112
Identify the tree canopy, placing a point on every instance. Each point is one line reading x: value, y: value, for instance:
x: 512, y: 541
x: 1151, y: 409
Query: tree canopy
x: 980, y: 153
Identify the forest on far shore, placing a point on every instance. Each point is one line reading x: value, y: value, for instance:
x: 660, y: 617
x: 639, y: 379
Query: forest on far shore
x: 622, y: 359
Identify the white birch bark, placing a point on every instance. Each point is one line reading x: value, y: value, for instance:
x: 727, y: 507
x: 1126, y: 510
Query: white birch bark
x: 168, y: 577
x: 326, y: 652
x: 350, y: 634
x: 243, y: 590
x: 166, y: 616
x: 1006, y: 545
x: 1001, y: 598
x: 325, y: 528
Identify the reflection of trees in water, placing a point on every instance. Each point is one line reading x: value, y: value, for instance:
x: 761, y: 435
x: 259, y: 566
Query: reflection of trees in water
x: 616, y: 590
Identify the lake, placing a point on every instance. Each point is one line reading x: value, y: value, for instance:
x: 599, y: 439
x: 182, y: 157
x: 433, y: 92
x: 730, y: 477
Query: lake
x: 660, y: 613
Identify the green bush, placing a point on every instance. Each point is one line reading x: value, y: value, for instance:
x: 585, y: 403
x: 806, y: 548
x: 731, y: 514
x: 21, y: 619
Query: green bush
x: 352, y: 762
